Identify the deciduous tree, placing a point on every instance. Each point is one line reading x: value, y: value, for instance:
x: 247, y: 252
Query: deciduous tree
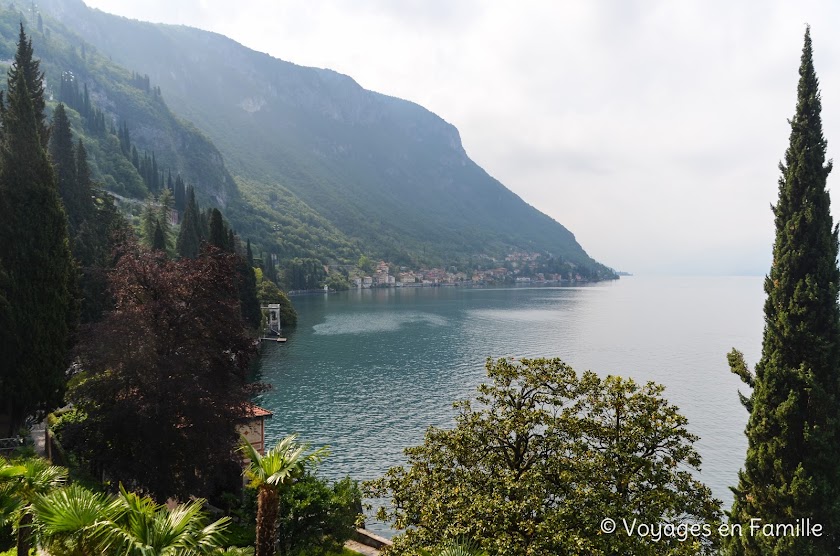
x: 542, y: 459
x: 163, y: 384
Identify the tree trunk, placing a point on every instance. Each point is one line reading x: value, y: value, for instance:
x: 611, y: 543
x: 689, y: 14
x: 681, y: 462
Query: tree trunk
x: 24, y: 534
x: 268, y: 506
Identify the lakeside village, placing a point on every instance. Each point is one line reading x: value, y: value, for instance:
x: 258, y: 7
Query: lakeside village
x: 517, y: 268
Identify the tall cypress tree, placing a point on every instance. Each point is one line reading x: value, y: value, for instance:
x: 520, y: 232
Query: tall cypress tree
x: 166, y: 202
x: 35, y: 252
x: 30, y: 69
x: 180, y: 195
x: 158, y: 241
x: 218, y: 237
x: 75, y: 198
x: 189, y: 238
x: 792, y: 470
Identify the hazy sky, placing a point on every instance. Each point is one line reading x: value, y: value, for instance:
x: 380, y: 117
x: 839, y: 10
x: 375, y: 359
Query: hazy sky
x: 651, y: 129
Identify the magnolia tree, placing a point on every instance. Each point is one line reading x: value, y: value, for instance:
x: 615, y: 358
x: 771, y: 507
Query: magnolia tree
x: 551, y: 462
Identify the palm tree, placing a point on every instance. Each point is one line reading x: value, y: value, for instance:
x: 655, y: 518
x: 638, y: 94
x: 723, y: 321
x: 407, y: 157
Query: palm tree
x: 20, y: 483
x: 74, y: 521
x: 68, y: 521
x: 145, y: 528
x: 279, y: 467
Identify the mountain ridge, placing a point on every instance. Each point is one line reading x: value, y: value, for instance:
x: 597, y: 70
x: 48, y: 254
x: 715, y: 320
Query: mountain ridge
x: 387, y: 173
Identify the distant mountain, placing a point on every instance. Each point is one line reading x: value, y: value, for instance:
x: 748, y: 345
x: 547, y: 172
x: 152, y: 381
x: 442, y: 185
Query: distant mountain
x: 379, y: 174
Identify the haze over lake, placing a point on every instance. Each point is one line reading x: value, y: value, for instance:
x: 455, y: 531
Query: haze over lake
x: 366, y: 372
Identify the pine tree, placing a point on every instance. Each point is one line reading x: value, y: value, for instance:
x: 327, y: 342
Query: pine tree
x: 792, y: 470
x: 35, y: 252
x: 189, y: 238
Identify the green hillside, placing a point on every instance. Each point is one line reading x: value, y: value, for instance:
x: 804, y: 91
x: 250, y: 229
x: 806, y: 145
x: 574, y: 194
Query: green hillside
x: 384, y: 172
x: 285, y: 225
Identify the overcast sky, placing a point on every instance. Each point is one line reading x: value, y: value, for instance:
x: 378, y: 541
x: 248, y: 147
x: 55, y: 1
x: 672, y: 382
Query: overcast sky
x: 651, y: 129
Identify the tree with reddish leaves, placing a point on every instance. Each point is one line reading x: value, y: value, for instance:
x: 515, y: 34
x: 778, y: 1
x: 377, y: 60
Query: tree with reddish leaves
x: 163, y: 381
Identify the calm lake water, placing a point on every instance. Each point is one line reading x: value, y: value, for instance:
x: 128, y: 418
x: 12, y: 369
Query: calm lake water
x: 366, y: 372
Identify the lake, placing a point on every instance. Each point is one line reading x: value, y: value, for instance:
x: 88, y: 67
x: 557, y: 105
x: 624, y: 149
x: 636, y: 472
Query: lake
x: 367, y: 371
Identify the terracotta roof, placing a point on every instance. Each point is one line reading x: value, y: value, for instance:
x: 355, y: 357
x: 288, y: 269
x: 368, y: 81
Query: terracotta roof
x: 252, y: 410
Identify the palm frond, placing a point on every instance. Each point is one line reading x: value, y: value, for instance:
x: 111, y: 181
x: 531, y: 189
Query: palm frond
x: 282, y: 463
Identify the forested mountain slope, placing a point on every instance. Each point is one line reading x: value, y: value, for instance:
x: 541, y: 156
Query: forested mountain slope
x: 384, y: 172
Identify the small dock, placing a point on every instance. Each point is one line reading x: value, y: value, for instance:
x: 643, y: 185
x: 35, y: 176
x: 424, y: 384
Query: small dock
x: 273, y: 339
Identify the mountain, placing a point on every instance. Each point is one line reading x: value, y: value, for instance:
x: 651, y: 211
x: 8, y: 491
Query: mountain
x: 379, y: 173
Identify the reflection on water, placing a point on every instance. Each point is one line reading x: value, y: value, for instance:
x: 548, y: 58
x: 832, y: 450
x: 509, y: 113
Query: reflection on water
x: 366, y: 372
x: 368, y: 322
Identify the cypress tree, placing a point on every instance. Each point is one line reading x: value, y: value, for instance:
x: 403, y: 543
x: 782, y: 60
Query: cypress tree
x: 166, y: 202
x: 204, y: 224
x: 248, y: 301
x: 158, y: 242
x: 231, y: 241
x: 792, y: 470
x: 83, y: 173
x: 218, y: 237
x: 189, y: 238
x: 30, y: 69
x: 75, y: 199
x: 35, y: 252
x: 180, y: 195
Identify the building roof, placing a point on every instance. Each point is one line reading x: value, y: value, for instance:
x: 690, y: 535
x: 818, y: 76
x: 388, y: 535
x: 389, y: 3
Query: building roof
x: 253, y: 410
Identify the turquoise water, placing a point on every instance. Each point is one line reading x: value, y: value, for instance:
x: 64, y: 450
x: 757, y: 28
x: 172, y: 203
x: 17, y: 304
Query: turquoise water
x: 366, y: 372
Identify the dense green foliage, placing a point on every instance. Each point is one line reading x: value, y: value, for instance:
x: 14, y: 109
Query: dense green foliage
x: 792, y: 470
x: 269, y: 293
x: 317, y: 517
x: 304, y: 274
x: 545, y: 455
x: 21, y: 484
x: 74, y: 521
x: 40, y: 275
